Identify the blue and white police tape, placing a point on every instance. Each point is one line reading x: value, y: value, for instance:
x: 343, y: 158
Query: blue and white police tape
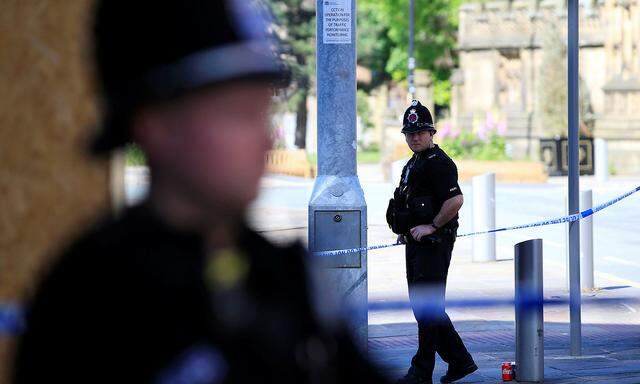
x: 12, y: 317
x: 564, y: 219
x: 426, y: 304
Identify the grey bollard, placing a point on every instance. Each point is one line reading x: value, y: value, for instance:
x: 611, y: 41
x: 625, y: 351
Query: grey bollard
x: 586, y: 242
x: 484, y: 216
x: 587, y: 280
x: 529, y: 311
x: 601, y: 160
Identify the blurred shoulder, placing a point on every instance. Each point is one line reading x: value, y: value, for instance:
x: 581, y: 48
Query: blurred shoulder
x: 445, y: 159
x: 103, y: 251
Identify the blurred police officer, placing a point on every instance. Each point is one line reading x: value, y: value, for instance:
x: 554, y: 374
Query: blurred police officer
x: 427, y: 202
x: 178, y: 289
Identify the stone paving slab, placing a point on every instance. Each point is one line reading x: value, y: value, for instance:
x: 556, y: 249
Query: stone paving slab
x: 611, y: 351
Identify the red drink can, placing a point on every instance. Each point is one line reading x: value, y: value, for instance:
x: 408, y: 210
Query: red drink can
x: 507, y: 371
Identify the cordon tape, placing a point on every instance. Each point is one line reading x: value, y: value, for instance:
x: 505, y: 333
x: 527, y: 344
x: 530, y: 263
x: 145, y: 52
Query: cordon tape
x: 564, y: 219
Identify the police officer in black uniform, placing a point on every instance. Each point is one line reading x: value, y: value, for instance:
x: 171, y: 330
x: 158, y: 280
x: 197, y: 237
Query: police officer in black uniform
x: 179, y: 289
x: 424, y: 212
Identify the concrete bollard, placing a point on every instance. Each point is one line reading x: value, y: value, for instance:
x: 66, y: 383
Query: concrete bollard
x: 586, y: 242
x: 484, y: 216
x: 601, y: 160
x: 529, y: 311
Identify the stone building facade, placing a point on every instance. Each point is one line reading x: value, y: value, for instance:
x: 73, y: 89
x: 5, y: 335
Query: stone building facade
x: 501, y: 63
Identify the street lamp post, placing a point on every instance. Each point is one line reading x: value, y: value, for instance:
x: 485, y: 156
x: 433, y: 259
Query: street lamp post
x: 337, y: 209
x: 574, y: 183
x: 412, y: 60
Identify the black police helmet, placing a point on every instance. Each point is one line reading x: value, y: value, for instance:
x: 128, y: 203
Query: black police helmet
x: 150, y: 51
x: 417, y: 118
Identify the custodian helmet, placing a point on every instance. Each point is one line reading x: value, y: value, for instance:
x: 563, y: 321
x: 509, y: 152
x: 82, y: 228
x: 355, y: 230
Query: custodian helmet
x: 417, y: 118
x: 150, y: 51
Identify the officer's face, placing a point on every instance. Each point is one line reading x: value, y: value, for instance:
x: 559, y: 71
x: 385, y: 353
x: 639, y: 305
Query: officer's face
x: 211, y: 146
x: 419, y: 141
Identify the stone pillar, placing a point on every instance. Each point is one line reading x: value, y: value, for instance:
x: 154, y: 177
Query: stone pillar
x: 457, y: 89
x: 424, y: 90
x: 620, y: 122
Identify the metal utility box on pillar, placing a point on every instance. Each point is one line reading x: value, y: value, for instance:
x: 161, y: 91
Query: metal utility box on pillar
x: 337, y: 209
x: 340, y: 230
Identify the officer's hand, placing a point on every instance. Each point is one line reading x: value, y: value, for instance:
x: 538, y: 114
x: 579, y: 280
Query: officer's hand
x: 401, y: 239
x: 421, y: 230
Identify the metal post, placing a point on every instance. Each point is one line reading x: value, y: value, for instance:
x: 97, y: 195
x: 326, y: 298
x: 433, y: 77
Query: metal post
x: 484, y: 216
x: 337, y: 209
x: 574, y: 184
x: 602, y: 160
x: 566, y: 246
x: 412, y: 60
x: 529, y: 311
x: 586, y: 242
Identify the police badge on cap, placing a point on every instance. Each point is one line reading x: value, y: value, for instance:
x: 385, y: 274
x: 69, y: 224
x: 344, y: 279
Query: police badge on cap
x: 413, y: 116
x: 417, y: 118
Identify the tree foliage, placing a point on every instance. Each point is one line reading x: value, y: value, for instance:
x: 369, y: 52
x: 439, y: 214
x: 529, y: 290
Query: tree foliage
x: 383, y: 39
x: 436, y: 25
x: 374, y: 46
x: 295, y: 28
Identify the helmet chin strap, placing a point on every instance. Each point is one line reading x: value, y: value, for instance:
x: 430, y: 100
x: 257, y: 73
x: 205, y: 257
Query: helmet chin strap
x: 431, y: 143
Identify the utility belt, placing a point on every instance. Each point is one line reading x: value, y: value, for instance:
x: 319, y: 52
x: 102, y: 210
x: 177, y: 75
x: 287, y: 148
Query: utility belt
x: 439, y: 236
x: 404, y: 213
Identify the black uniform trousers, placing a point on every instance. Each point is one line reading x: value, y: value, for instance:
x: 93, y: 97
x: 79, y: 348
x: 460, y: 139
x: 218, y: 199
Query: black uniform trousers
x: 427, y: 265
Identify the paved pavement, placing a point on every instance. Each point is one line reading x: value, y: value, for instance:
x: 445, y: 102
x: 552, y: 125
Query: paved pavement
x: 609, y: 355
x: 611, y: 332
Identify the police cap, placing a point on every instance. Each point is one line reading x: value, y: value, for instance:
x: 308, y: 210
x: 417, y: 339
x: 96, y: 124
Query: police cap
x: 417, y: 118
x: 150, y: 51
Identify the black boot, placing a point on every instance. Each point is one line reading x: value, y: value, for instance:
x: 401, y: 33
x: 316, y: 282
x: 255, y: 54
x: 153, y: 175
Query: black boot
x: 457, y: 373
x: 415, y: 376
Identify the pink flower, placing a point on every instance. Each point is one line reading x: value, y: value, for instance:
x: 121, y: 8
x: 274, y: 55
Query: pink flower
x: 502, y: 128
x: 490, y: 121
x: 483, y: 129
x: 445, y: 131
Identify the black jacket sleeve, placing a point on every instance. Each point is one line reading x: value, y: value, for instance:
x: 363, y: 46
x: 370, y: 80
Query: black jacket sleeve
x: 447, y: 186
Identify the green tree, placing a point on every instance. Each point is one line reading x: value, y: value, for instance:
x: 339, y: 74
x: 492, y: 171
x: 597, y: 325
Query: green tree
x: 295, y: 28
x: 436, y: 26
x: 374, y: 46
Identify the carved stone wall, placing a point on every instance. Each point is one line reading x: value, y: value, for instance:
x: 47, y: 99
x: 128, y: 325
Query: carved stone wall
x: 49, y: 187
x: 620, y: 125
x: 501, y: 61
